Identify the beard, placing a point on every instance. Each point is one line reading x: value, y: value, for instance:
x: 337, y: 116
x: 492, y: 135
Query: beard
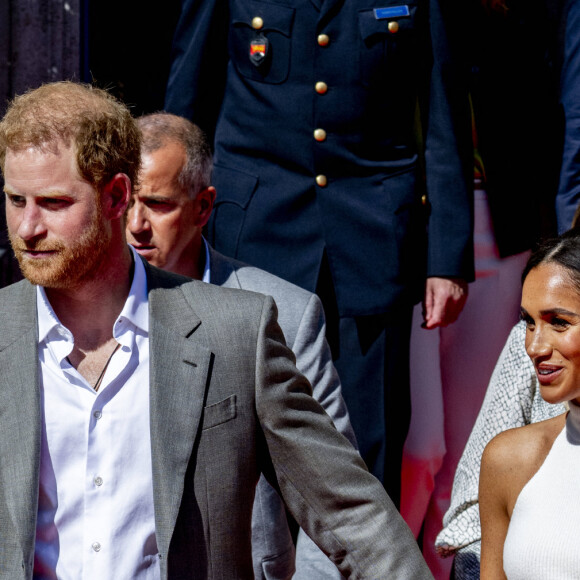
x: 69, y: 265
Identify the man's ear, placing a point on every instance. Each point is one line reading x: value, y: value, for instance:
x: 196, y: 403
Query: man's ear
x: 116, y: 196
x: 204, y: 205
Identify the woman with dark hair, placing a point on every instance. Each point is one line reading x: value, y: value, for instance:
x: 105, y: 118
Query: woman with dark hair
x: 530, y: 478
x: 516, y: 127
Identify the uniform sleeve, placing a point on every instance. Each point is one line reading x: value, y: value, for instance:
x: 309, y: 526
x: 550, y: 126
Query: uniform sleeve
x: 448, y: 148
x: 322, y: 478
x: 198, y: 63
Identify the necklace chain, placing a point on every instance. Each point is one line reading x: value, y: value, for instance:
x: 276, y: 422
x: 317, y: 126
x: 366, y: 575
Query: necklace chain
x: 100, y: 379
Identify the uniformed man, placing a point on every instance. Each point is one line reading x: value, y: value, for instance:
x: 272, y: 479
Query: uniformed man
x: 312, y: 105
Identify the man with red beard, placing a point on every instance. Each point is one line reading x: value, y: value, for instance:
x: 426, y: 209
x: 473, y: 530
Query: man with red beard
x: 138, y: 407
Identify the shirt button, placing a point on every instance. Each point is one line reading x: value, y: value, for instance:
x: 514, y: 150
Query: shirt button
x: 321, y: 87
x: 98, y: 481
x: 323, y: 39
x: 320, y: 134
x: 393, y: 26
x: 97, y: 414
x: 321, y: 180
x: 257, y: 23
x: 96, y: 546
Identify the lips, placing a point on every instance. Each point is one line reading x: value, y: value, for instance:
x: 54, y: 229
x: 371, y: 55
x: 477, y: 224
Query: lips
x: 39, y: 253
x: 144, y: 249
x: 547, y: 374
x: 34, y: 254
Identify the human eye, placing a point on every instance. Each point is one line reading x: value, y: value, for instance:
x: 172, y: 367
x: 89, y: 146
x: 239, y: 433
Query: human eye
x: 54, y: 203
x: 159, y: 205
x: 16, y: 200
x: 529, y: 321
x: 559, y: 323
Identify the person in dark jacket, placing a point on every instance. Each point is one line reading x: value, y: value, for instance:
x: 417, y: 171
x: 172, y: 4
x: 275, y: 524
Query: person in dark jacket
x: 322, y: 177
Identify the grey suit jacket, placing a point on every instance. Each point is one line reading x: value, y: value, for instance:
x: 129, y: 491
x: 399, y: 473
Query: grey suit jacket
x: 301, y: 318
x: 226, y: 404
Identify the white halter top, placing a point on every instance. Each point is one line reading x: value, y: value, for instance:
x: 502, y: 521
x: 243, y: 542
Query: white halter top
x: 543, y: 539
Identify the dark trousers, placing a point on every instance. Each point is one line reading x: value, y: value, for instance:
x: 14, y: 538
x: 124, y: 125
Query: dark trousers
x: 371, y: 355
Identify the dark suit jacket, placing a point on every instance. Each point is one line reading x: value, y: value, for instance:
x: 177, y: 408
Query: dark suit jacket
x: 568, y: 198
x: 226, y: 403
x: 514, y: 85
x: 369, y: 217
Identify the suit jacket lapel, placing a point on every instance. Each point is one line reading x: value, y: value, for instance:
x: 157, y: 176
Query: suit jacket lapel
x: 179, y: 370
x: 20, y: 416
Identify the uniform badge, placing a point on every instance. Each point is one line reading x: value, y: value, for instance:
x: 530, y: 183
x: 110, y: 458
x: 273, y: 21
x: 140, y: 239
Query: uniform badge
x: 259, y: 49
x: 392, y: 12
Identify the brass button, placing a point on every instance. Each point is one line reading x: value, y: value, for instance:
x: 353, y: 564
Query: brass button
x: 321, y: 180
x: 424, y: 199
x: 393, y: 26
x: 320, y: 134
x: 323, y: 39
x: 321, y: 87
x: 258, y: 22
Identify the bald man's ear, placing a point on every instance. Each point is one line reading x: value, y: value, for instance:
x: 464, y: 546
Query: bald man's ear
x: 204, y: 204
x: 116, y: 196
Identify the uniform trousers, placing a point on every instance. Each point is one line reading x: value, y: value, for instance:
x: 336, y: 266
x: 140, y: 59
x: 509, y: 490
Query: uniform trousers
x: 371, y: 355
x: 450, y: 370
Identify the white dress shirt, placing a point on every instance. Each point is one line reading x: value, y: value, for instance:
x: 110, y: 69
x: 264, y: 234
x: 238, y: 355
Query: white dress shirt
x: 206, y: 269
x: 95, y: 515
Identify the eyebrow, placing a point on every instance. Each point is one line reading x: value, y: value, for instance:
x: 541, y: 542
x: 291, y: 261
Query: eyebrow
x: 153, y: 196
x: 53, y: 193
x: 558, y: 311
x: 561, y: 311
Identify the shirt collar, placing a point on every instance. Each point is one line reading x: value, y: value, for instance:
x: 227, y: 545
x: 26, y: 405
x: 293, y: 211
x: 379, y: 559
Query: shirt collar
x: 135, y: 309
x: 206, y: 270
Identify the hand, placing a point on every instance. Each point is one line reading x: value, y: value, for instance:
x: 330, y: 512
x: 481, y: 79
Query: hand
x: 444, y: 300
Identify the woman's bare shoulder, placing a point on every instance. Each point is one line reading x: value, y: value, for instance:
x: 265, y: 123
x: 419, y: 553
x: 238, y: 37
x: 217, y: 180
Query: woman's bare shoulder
x: 514, y: 456
x: 524, y: 444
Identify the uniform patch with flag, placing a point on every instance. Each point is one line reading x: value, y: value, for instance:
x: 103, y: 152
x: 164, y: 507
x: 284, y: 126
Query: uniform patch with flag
x: 258, y: 49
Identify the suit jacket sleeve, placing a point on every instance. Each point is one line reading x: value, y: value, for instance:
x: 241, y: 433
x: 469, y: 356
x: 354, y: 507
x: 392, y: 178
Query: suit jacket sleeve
x: 323, y: 480
x: 314, y: 360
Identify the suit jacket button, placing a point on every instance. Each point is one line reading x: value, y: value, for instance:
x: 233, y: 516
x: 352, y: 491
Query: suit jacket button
x: 321, y: 87
x: 323, y: 39
x: 320, y: 134
x: 424, y: 199
x: 257, y: 22
x: 321, y: 180
x: 393, y: 26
